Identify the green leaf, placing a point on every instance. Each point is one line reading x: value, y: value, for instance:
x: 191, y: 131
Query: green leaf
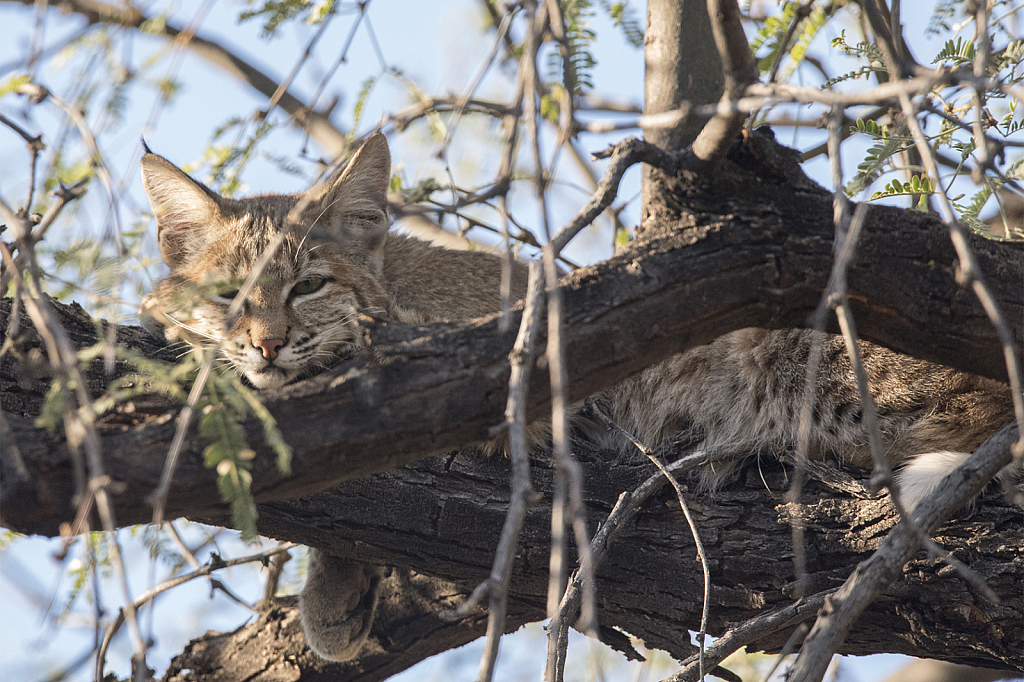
x: 275, y: 13
x: 919, y: 184
x: 577, y: 15
x: 623, y: 17
x: 960, y: 52
x: 12, y: 83
x: 271, y: 434
x: 364, y: 94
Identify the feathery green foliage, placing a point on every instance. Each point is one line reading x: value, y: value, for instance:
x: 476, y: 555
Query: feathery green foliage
x: 878, y: 155
x: 276, y: 12
x: 970, y: 212
x: 580, y: 37
x: 958, y: 53
x: 623, y: 16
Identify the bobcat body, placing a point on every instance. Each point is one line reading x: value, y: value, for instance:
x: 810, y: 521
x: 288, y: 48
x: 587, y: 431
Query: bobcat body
x: 738, y: 396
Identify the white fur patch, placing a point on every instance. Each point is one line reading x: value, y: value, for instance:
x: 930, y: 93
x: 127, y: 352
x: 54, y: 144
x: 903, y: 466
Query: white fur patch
x: 924, y: 473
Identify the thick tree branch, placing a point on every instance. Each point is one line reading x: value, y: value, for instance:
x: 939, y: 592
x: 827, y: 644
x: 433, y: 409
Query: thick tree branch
x: 443, y: 516
x: 756, y: 258
x: 407, y: 630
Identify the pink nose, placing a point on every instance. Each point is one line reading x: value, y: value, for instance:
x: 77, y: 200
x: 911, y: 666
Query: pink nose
x: 269, y: 347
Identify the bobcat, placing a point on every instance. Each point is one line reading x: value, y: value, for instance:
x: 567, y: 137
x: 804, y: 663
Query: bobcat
x: 738, y: 395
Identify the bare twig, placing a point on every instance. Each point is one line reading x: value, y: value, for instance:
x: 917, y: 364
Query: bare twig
x: 274, y: 571
x: 283, y: 86
x: 316, y: 124
x: 625, y: 508
x: 969, y: 271
x: 886, y: 564
x: 462, y: 102
x: 192, y: 561
x: 80, y: 422
x: 522, y: 495
x: 623, y: 155
x: 215, y: 564
x: 35, y: 145
x: 749, y: 632
x: 403, y: 118
x: 38, y: 93
x: 982, y: 53
x: 689, y: 520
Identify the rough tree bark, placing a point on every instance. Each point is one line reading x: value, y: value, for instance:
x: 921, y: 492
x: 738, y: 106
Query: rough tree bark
x: 681, y: 64
x: 753, y: 248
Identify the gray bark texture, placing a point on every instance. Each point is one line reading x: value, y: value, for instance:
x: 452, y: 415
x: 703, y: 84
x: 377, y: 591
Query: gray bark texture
x: 753, y: 248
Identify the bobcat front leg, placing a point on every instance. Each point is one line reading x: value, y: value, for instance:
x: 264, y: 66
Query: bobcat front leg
x: 338, y: 604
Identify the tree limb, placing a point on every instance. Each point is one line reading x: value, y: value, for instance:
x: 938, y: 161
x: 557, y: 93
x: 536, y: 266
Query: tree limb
x: 756, y: 258
x: 739, y: 71
x: 443, y: 516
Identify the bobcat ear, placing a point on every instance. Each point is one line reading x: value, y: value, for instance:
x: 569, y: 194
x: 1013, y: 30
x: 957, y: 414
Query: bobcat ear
x: 354, y: 207
x: 183, y: 208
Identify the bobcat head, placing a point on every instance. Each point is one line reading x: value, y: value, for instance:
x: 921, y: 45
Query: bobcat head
x: 301, y: 311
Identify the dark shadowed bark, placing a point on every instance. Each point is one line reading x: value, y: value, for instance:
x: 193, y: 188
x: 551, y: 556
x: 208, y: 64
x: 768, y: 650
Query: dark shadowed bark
x: 443, y: 516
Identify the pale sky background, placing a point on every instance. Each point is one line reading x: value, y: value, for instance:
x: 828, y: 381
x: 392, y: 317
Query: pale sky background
x: 438, y: 45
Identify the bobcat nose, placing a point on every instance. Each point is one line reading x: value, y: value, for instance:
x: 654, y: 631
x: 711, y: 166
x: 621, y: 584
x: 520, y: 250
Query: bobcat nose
x: 269, y: 347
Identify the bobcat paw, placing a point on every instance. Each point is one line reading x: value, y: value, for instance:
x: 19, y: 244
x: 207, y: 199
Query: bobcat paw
x: 338, y: 604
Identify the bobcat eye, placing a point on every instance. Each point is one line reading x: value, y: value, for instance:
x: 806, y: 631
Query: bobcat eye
x: 308, y: 286
x: 227, y: 295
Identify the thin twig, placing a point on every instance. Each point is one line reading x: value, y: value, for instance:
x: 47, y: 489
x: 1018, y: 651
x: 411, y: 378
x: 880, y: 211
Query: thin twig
x: 706, y: 610
x: 969, y: 271
x: 80, y: 423
x: 38, y: 93
x: 522, y: 495
x: 191, y: 559
x: 35, y: 145
x: 623, y: 155
x: 215, y: 564
x: 626, y: 507
x: 282, y: 87
x: 748, y: 632
x: 342, y: 56
x: 462, y: 102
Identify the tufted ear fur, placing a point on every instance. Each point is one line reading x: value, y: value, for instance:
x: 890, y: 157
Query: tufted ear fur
x: 184, y: 208
x: 353, y: 209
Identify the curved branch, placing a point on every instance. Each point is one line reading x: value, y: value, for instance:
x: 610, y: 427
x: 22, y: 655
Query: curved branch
x: 759, y: 255
x: 873, y: 576
x: 319, y: 126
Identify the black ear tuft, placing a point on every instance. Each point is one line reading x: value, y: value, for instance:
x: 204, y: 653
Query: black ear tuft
x: 145, y: 147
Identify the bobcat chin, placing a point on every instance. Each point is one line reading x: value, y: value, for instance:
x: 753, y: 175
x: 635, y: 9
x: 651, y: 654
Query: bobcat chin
x: 739, y: 396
